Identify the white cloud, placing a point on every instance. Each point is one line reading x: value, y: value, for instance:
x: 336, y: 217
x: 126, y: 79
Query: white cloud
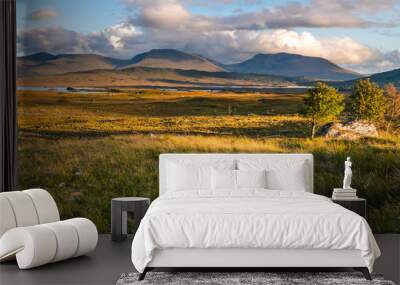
x: 345, y: 50
x: 163, y: 14
x: 246, y: 43
x: 58, y: 40
x: 380, y: 63
x: 117, y: 35
x: 169, y: 24
x: 315, y: 14
x: 167, y: 15
x: 42, y: 14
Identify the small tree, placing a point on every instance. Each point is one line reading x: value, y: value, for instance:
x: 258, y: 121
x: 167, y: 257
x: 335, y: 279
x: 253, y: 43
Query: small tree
x: 393, y: 105
x: 323, y: 104
x: 367, y: 101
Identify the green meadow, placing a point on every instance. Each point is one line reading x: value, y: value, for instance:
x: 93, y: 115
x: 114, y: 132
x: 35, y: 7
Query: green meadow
x: 86, y: 148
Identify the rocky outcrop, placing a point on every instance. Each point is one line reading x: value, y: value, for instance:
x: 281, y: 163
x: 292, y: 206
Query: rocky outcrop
x: 349, y: 130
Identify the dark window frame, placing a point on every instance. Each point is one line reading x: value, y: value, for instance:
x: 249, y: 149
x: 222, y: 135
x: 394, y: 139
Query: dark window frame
x: 8, y: 100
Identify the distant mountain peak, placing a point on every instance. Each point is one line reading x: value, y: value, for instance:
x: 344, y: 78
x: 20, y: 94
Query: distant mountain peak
x: 173, y: 59
x: 166, y: 50
x: 171, y: 54
x: 293, y: 65
x: 287, y: 55
x: 40, y: 56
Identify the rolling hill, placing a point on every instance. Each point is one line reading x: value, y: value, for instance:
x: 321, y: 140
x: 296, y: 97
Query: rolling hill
x: 173, y: 59
x: 48, y: 64
x: 149, y: 76
x: 293, y: 65
x: 383, y: 78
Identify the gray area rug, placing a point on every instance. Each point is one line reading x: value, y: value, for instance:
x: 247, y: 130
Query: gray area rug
x: 243, y: 278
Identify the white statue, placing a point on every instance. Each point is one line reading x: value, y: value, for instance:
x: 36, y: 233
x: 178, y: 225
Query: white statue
x: 348, y: 173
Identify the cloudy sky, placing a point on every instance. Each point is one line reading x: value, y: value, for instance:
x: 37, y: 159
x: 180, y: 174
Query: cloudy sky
x: 360, y: 34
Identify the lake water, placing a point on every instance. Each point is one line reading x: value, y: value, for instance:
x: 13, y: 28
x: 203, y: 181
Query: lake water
x: 62, y: 89
x: 290, y: 89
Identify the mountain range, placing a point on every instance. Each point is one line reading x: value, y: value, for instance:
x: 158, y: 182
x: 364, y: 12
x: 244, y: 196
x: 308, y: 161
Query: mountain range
x: 43, y: 63
x: 284, y: 68
x: 383, y: 78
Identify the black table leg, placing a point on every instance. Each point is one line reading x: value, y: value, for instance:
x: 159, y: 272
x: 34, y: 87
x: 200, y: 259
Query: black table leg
x: 118, y: 222
x: 139, y: 212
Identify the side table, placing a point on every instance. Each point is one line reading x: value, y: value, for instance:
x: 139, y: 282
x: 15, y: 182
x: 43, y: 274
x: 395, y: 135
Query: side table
x: 119, y: 214
x: 357, y: 205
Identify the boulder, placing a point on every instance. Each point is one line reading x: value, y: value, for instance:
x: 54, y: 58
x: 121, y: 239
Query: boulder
x: 348, y: 130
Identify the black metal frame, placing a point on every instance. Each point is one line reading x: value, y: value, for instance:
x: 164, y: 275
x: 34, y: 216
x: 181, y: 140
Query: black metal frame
x: 8, y: 101
x: 364, y: 270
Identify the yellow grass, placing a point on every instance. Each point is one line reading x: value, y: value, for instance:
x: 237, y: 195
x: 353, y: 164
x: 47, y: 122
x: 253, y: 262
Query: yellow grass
x: 88, y: 148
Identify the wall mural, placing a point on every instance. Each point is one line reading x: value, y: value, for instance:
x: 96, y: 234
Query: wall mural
x: 105, y: 86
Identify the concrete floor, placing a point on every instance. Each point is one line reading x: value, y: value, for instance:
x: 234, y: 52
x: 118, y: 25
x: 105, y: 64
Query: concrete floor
x: 110, y: 260
x: 103, y: 266
x: 389, y: 262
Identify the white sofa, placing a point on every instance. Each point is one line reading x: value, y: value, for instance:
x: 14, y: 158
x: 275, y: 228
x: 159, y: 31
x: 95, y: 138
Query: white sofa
x: 31, y: 231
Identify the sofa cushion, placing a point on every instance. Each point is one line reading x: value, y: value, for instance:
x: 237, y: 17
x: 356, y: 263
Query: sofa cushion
x: 7, y: 220
x: 46, y: 207
x: 23, y: 208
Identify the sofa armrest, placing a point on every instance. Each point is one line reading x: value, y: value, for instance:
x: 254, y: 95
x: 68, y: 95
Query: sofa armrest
x: 32, y: 246
x: 41, y: 244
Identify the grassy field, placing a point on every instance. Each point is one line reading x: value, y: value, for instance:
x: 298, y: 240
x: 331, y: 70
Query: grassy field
x: 87, y: 148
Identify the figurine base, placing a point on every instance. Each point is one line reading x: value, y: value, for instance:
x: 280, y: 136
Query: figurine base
x: 344, y: 190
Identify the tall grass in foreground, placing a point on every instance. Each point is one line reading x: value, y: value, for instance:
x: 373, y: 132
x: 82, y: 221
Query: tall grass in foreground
x: 84, y: 174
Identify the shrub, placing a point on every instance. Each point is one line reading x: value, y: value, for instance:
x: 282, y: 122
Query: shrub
x: 393, y: 105
x: 367, y: 101
x: 323, y: 104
